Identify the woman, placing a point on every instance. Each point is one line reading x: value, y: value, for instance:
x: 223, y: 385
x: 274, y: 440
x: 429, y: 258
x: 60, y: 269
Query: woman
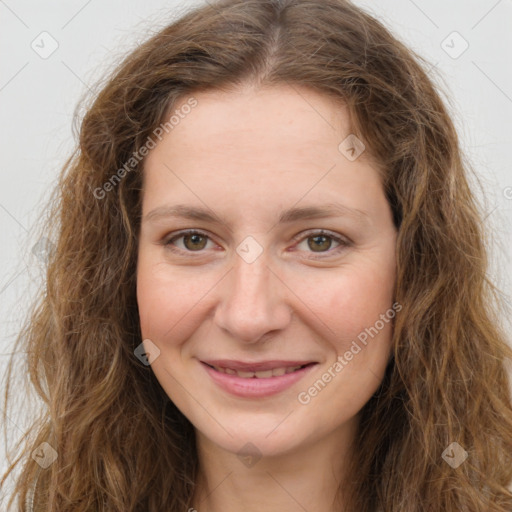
x: 201, y: 343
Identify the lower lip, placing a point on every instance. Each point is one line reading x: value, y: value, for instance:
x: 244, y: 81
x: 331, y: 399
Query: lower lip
x: 254, y: 387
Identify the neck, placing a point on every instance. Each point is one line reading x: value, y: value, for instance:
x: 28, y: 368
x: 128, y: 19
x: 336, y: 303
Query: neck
x: 306, y: 478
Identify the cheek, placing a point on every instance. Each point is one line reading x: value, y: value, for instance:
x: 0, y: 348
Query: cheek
x: 166, y: 302
x: 350, y: 301
x: 356, y: 310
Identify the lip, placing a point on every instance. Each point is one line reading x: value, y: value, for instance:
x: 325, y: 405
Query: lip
x: 254, y: 387
x: 255, y: 366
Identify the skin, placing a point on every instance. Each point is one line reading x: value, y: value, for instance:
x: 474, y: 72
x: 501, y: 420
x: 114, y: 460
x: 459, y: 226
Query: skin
x: 247, y: 156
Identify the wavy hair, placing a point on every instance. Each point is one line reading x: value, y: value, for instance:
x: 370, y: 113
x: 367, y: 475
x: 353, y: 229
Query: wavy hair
x: 122, y: 444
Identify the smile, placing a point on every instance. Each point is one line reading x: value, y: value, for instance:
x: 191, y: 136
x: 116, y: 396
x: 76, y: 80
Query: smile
x: 246, y: 380
x: 262, y: 374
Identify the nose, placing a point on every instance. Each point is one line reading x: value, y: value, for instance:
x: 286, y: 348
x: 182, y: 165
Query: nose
x: 252, y: 301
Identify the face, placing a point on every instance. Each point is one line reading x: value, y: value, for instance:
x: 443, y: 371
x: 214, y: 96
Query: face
x: 266, y: 269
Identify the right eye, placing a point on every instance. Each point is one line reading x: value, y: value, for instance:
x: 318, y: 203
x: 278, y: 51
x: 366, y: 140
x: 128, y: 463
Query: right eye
x: 193, y: 241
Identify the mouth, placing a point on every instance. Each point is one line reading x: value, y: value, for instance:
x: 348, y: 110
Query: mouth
x: 256, y: 380
x: 275, y: 371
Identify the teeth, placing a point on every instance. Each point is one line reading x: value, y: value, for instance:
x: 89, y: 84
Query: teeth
x: 245, y: 374
x: 264, y: 374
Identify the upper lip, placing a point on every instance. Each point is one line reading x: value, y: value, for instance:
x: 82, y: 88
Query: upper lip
x: 256, y: 365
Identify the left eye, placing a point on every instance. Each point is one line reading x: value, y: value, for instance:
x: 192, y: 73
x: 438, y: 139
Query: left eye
x: 323, y: 240
x: 318, y: 241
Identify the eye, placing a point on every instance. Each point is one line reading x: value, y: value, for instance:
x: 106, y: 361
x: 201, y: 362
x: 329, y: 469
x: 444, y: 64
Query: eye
x: 193, y: 241
x: 319, y: 240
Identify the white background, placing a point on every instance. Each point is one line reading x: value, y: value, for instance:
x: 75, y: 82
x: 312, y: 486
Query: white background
x: 38, y: 97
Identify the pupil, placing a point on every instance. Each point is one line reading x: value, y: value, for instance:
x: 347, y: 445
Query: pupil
x: 316, y: 245
x: 194, y: 239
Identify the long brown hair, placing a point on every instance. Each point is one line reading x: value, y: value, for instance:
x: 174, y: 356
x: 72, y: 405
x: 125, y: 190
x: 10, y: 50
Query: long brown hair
x: 121, y: 443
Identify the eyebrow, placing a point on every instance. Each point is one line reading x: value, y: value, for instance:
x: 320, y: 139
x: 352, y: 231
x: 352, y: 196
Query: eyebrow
x: 287, y: 216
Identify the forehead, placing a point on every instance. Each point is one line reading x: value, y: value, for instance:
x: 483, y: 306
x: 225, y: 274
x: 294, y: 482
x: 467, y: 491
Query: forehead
x: 259, y: 147
x: 280, y: 129
x: 276, y: 117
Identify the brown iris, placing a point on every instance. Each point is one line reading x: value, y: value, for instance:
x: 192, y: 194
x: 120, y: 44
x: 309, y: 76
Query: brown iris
x: 195, y: 237
x: 325, y: 245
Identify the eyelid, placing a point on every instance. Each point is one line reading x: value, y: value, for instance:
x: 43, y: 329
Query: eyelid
x: 166, y: 242
x: 341, y: 239
x: 319, y: 232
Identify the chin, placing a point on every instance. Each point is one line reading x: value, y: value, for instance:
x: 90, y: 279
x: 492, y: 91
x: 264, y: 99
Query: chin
x: 260, y: 440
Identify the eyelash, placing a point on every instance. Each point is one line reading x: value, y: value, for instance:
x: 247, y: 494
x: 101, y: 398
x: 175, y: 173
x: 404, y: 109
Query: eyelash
x: 309, y: 234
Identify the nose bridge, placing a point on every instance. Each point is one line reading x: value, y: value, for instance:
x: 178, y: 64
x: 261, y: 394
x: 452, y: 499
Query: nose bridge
x: 252, y: 301
x: 251, y: 286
